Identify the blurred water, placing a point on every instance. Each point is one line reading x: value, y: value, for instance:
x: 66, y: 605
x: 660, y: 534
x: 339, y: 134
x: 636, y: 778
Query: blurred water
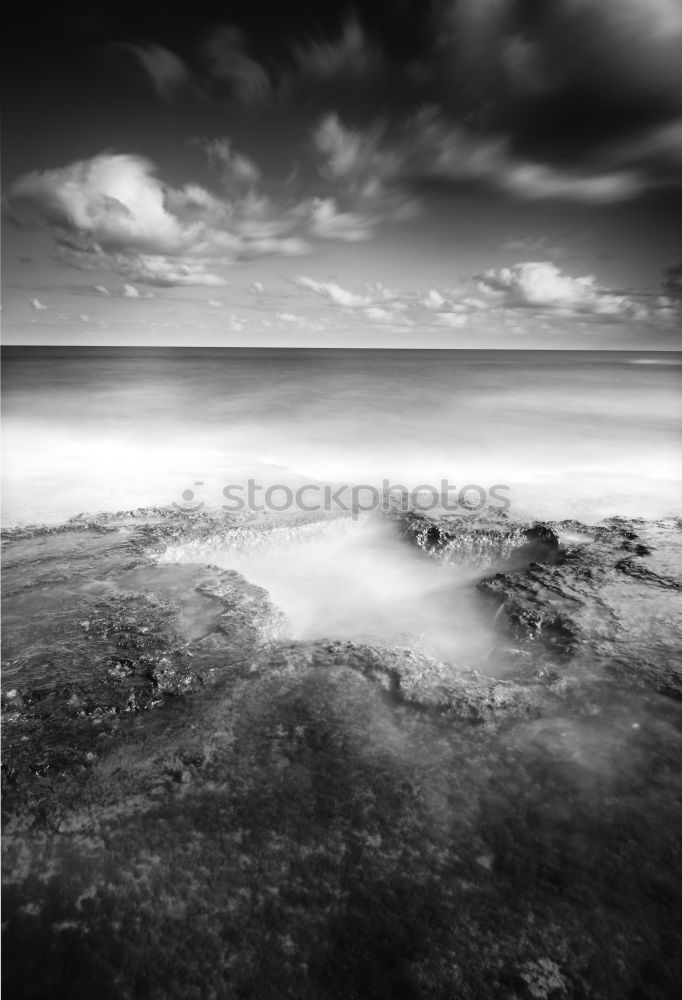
x: 583, y: 434
x: 356, y: 579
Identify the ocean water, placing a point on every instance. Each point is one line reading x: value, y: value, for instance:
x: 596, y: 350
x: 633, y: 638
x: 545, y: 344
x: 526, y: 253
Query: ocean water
x: 575, y: 434
x: 583, y: 434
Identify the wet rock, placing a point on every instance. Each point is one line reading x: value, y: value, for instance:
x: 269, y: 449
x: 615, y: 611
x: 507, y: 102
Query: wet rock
x: 544, y: 980
x: 530, y: 613
x: 477, y: 540
x: 326, y: 819
x: 172, y: 678
x: 642, y: 572
x: 590, y: 604
x: 417, y: 680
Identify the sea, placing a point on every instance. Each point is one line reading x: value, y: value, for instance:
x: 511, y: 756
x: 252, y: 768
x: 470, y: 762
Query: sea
x: 581, y: 434
x: 324, y: 436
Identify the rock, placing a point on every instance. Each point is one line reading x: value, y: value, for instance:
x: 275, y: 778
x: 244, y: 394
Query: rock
x: 477, y: 541
x: 544, y: 980
x: 172, y: 678
x: 582, y: 603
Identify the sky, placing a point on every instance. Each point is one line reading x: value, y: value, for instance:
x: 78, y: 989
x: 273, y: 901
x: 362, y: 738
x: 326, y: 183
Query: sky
x: 395, y: 173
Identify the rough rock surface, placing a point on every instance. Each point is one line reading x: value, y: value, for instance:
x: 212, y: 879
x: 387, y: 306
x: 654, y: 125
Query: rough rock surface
x: 198, y: 806
x: 479, y: 540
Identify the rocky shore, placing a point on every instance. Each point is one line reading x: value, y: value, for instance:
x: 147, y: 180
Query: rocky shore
x: 196, y: 805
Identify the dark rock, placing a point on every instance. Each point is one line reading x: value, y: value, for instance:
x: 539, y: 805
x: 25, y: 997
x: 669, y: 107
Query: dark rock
x: 172, y: 678
x: 478, y: 541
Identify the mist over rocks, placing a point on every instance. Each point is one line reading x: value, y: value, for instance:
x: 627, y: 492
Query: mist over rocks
x: 273, y: 816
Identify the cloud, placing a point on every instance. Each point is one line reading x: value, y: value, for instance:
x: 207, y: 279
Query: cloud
x: 451, y: 319
x: 112, y: 201
x: 327, y: 222
x: 565, y: 83
x: 378, y: 170
x: 339, y: 296
x: 101, y: 290
x: 543, y: 285
x: 579, y: 101
x: 433, y: 300
x: 130, y: 292
x: 226, y: 59
x: 434, y: 148
x: 366, y: 172
x: 235, y: 169
x: 167, y: 72
x: 215, y: 304
x: 37, y: 304
x: 539, y: 288
x: 349, y: 55
x: 378, y: 313
x: 114, y: 212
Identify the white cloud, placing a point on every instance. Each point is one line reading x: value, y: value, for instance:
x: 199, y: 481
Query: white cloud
x: 101, y: 290
x: 113, y: 212
x: 433, y: 300
x: 235, y: 169
x: 543, y: 285
x: 155, y: 269
x: 328, y: 223
x: 339, y: 296
x: 130, y: 292
x: 112, y: 201
x: 451, y: 319
x: 84, y: 318
x: 538, y: 287
x: 37, y: 304
x: 378, y: 313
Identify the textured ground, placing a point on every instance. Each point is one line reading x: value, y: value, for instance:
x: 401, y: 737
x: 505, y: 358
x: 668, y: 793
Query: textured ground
x: 197, y: 806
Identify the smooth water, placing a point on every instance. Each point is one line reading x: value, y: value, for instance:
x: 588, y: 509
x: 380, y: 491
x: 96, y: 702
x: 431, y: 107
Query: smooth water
x: 584, y: 434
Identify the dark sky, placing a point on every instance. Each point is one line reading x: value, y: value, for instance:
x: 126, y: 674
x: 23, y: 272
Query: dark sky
x: 453, y: 172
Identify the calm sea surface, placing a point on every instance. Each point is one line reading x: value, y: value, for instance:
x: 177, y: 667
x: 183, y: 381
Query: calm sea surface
x: 583, y: 434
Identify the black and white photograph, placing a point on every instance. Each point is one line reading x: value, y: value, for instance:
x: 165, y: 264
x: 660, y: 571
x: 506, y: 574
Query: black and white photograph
x: 342, y: 500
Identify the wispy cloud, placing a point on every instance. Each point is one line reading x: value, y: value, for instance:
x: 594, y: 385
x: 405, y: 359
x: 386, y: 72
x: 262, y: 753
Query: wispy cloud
x: 37, y: 304
x: 348, y: 54
x: 340, y: 296
x: 166, y: 70
x: 377, y: 166
x: 226, y: 59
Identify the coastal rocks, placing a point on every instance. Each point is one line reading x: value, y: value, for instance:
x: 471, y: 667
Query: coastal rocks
x: 248, y: 620
x: 532, y: 612
x: 326, y: 818
x: 95, y: 635
x: 477, y: 540
x: 589, y: 603
x: 417, y: 680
